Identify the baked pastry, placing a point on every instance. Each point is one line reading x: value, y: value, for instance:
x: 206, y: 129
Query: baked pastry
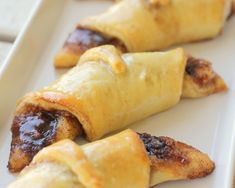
x: 136, y: 161
x: 233, y: 6
x: 146, y: 25
x: 105, y: 92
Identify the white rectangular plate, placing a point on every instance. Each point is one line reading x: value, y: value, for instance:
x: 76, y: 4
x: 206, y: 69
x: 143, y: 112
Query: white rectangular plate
x: 206, y: 123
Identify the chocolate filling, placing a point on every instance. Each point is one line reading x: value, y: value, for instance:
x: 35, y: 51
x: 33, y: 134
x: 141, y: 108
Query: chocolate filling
x: 201, y: 72
x: 163, y: 148
x: 155, y: 146
x: 191, y: 66
x: 83, y: 39
x: 33, y: 130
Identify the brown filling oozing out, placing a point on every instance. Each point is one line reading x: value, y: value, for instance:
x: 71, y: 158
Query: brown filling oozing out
x: 34, y: 130
x: 83, y: 39
x: 168, y: 154
x: 201, y: 71
x: 163, y: 148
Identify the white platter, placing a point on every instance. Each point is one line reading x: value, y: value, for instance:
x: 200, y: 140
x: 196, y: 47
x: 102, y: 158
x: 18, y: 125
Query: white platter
x: 207, y: 123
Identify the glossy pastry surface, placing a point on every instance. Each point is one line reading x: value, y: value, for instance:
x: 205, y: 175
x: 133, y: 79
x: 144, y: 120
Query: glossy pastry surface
x: 136, y: 161
x: 106, y: 91
x: 146, y: 25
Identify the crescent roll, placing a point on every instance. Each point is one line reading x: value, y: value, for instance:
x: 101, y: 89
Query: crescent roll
x: 126, y: 159
x: 146, y: 25
x: 105, y: 92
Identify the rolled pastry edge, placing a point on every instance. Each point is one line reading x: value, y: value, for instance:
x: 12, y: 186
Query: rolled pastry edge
x: 156, y: 34
x: 170, y: 160
x: 92, y: 112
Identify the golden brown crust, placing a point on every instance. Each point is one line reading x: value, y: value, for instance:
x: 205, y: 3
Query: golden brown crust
x: 178, y: 159
x: 180, y: 155
x: 103, y: 71
x: 147, y: 25
x: 147, y: 160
